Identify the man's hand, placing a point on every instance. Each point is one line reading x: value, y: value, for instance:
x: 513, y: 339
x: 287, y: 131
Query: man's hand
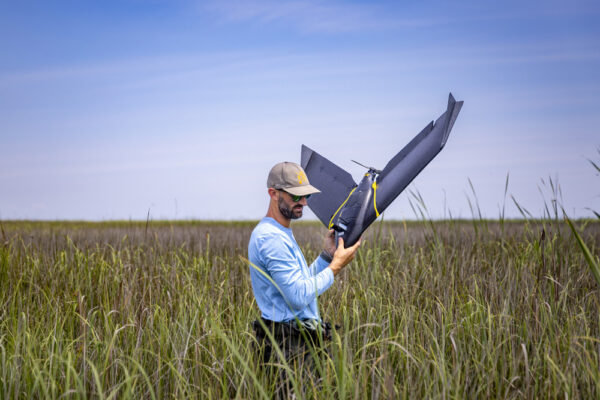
x: 343, y: 256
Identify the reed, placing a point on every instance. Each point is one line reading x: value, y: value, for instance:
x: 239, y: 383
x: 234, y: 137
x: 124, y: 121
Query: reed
x: 428, y: 309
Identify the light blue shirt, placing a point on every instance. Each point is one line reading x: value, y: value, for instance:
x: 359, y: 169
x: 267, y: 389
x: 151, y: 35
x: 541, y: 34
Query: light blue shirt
x: 275, y: 255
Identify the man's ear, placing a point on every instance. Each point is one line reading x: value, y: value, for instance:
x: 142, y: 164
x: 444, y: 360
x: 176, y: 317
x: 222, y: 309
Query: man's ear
x: 272, y: 193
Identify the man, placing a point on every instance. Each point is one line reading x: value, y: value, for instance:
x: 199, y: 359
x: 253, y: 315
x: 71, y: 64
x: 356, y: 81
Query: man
x: 285, y: 287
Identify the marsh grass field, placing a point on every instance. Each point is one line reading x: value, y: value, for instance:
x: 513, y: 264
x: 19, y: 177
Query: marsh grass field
x: 159, y: 309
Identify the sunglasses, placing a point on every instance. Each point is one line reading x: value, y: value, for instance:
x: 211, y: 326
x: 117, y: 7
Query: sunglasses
x: 296, y: 198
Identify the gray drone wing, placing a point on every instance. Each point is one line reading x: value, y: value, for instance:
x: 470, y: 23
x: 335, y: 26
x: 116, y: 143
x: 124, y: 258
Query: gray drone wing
x: 334, y: 183
x: 406, y: 165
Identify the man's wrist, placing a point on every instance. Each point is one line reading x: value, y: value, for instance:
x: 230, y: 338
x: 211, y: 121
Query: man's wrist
x: 335, y: 267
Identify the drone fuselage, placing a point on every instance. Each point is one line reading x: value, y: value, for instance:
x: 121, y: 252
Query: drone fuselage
x: 358, y: 212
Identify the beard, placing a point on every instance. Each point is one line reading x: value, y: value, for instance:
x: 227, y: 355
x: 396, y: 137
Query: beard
x: 288, y: 212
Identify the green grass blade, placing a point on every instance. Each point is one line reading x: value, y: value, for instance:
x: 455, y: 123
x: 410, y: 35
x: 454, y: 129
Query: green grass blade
x: 589, y: 257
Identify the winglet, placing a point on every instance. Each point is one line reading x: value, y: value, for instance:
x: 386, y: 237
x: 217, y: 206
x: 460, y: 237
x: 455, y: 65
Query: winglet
x: 453, y: 110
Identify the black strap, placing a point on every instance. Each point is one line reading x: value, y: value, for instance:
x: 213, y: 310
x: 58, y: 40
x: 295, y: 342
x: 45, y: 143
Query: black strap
x: 326, y: 256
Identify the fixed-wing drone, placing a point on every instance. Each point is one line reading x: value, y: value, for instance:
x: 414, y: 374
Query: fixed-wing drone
x: 349, y: 208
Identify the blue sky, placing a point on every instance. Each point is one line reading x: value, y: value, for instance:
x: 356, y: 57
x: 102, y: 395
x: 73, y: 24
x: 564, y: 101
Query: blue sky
x: 109, y: 109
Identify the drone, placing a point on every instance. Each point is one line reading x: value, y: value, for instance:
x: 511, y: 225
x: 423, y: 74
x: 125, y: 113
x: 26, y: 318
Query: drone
x: 350, y: 208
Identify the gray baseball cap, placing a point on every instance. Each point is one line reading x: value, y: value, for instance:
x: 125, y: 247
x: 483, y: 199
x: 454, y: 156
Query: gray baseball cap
x: 290, y: 177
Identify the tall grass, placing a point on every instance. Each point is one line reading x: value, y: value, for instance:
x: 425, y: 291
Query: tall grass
x: 452, y: 309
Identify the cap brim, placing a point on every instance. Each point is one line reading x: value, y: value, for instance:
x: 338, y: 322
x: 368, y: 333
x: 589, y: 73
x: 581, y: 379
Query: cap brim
x: 302, y: 190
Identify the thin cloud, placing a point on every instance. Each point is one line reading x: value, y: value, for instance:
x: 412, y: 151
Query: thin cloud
x: 307, y: 15
x: 314, y: 16
x: 177, y: 66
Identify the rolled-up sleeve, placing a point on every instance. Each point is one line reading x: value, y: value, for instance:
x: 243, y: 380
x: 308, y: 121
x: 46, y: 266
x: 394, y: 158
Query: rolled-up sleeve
x: 297, y: 289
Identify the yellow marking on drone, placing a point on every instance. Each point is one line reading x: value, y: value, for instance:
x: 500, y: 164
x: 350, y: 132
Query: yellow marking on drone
x: 374, y: 186
x: 301, y: 177
x: 339, y: 208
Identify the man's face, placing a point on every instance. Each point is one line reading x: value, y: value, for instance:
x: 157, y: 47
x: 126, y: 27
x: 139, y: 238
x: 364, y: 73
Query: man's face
x: 288, y: 207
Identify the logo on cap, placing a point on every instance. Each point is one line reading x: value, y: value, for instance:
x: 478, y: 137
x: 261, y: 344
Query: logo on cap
x: 301, y: 177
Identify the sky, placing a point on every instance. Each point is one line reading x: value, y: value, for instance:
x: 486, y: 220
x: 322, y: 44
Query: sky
x: 178, y: 109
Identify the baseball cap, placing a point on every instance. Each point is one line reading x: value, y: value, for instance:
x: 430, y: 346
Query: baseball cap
x: 290, y: 177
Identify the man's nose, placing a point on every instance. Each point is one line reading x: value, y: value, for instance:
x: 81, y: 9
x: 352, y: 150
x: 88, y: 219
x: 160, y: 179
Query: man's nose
x: 303, y: 201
